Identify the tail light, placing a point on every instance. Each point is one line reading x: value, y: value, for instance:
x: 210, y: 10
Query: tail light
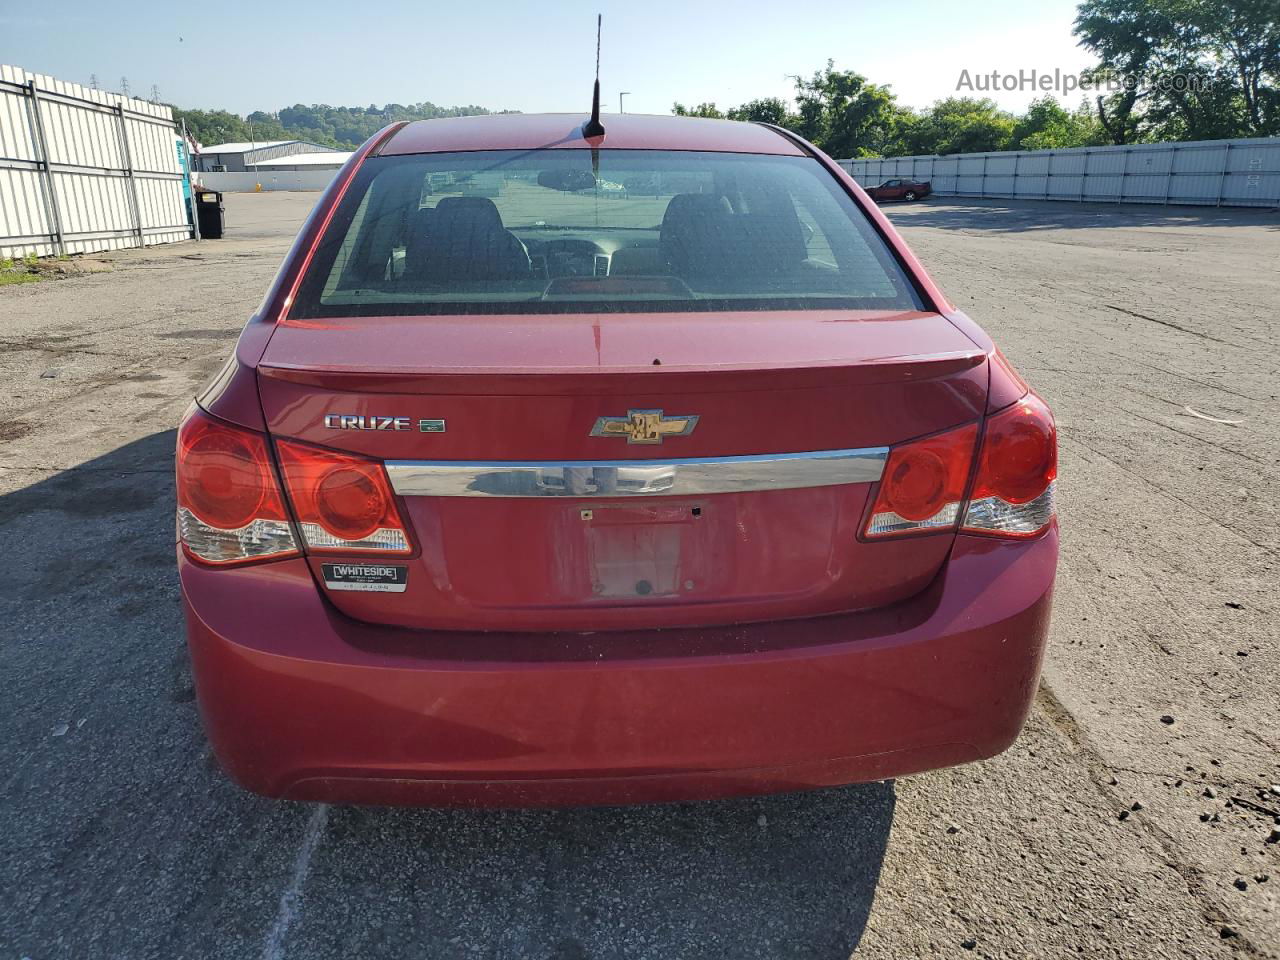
x: 1013, y: 489
x: 342, y: 502
x: 922, y: 489
x: 230, y: 509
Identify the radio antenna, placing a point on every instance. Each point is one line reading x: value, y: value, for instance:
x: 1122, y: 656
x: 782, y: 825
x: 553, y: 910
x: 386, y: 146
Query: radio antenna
x: 593, y: 127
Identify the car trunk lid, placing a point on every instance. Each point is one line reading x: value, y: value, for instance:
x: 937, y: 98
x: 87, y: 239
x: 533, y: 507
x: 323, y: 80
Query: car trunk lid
x: 529, y: 511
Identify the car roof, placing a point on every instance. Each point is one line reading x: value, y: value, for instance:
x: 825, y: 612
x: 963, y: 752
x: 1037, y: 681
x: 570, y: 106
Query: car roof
x: 629, y: 131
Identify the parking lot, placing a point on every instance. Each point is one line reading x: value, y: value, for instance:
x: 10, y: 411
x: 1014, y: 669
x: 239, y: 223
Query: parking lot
x: 1129, y: 821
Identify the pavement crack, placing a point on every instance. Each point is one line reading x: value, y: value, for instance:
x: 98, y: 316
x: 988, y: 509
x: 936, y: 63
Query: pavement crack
x: 1268, y: 550
x: 1099, y: 772
x: 1192, y: 436
x: 1129, y: 359
x: 1261, y: 741
x: 1171, y: 324
x: 1186, y: 777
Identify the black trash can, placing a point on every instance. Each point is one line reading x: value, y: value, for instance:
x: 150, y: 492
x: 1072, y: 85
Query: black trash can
x: 210, y: 211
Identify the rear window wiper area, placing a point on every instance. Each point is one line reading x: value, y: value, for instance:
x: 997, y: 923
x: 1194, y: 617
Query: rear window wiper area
x: 584, y: 228
x: 618, y: 288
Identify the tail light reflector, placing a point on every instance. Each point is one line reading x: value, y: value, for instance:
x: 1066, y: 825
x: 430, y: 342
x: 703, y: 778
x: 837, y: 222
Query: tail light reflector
x: 230, y: 509
x: 922, y: 488
x: 342, y: 502
x: 923, y: 485
x: 1013, y: 489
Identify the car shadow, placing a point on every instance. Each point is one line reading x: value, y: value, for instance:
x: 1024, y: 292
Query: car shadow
x: 1019, y: 216
x: 123, y: 838
x: 782, y: 876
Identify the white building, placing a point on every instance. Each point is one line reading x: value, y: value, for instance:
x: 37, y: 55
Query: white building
x: 298, y: 162
x: 238, y: 157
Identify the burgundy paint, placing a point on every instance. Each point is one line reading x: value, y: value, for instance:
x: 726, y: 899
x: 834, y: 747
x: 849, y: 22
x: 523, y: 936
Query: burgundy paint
x: 233, y: 392
x: 831, y: 381
x: 1007, y: 386
x: 631, y: 131
x: 938, y: 666
x: 301, y: 701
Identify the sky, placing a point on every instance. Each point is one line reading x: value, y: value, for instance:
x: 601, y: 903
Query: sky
x: 498, y: 54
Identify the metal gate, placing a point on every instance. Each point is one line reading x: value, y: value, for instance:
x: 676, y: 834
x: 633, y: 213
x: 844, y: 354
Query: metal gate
x: 83, y: 170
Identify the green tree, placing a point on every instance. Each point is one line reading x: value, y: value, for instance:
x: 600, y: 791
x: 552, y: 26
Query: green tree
x: 708, y: 110
x: 1243, y: 36
x: 346, y: 127
x: 265, y: 126
x: 959, y: 125
x: 1184, y: 69
x: 844, y: 114
x: 1126, y: 36
x: 213, y: 126
x: 1047, y: 125
x: 766, y: 110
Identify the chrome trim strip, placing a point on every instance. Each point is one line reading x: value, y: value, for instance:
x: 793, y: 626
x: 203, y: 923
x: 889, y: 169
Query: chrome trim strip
x: 626, y: 478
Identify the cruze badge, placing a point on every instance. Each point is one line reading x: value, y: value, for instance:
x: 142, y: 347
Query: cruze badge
x: 644, y: 426
x: 350, y: 421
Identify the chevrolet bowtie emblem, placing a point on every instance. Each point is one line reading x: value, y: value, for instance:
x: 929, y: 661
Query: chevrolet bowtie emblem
x: 644, y: 426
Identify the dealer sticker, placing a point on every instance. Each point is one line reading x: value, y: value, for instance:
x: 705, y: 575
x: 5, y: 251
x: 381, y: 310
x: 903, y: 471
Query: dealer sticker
x: 369, y: 577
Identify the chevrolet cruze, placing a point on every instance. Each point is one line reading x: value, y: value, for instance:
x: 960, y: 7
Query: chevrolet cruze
x: 564, y: 467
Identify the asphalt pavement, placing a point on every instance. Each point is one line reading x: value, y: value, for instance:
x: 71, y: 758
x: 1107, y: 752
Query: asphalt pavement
x: 1129, y: 821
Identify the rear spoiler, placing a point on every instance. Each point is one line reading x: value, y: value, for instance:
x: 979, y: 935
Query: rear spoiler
x: 489, y: 381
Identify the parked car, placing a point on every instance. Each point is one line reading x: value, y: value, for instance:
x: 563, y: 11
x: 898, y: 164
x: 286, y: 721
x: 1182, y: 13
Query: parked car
x: 898, y: 189
x: 549, y: 499
x: 568, y: 180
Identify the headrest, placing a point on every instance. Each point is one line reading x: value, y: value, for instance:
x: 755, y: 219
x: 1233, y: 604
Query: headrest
x: 477, y: 213
x: 687, y: 206
x: 695, y: 233
x: 704, y: 240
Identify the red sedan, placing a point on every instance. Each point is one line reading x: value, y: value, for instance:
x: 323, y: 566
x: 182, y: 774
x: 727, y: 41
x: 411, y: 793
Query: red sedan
x: 899, y: 189
x: 513, y: 495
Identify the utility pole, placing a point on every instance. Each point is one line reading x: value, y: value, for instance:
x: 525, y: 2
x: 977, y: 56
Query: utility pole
x: 620, y: 96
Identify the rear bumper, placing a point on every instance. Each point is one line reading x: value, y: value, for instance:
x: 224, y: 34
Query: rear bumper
x: 302, y: 702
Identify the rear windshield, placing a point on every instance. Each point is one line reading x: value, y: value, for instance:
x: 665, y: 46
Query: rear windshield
x: 557, y: 231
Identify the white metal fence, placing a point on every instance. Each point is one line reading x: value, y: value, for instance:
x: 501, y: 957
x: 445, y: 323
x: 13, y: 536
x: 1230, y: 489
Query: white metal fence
x: 1243, y: 173
x: 82, y: 170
